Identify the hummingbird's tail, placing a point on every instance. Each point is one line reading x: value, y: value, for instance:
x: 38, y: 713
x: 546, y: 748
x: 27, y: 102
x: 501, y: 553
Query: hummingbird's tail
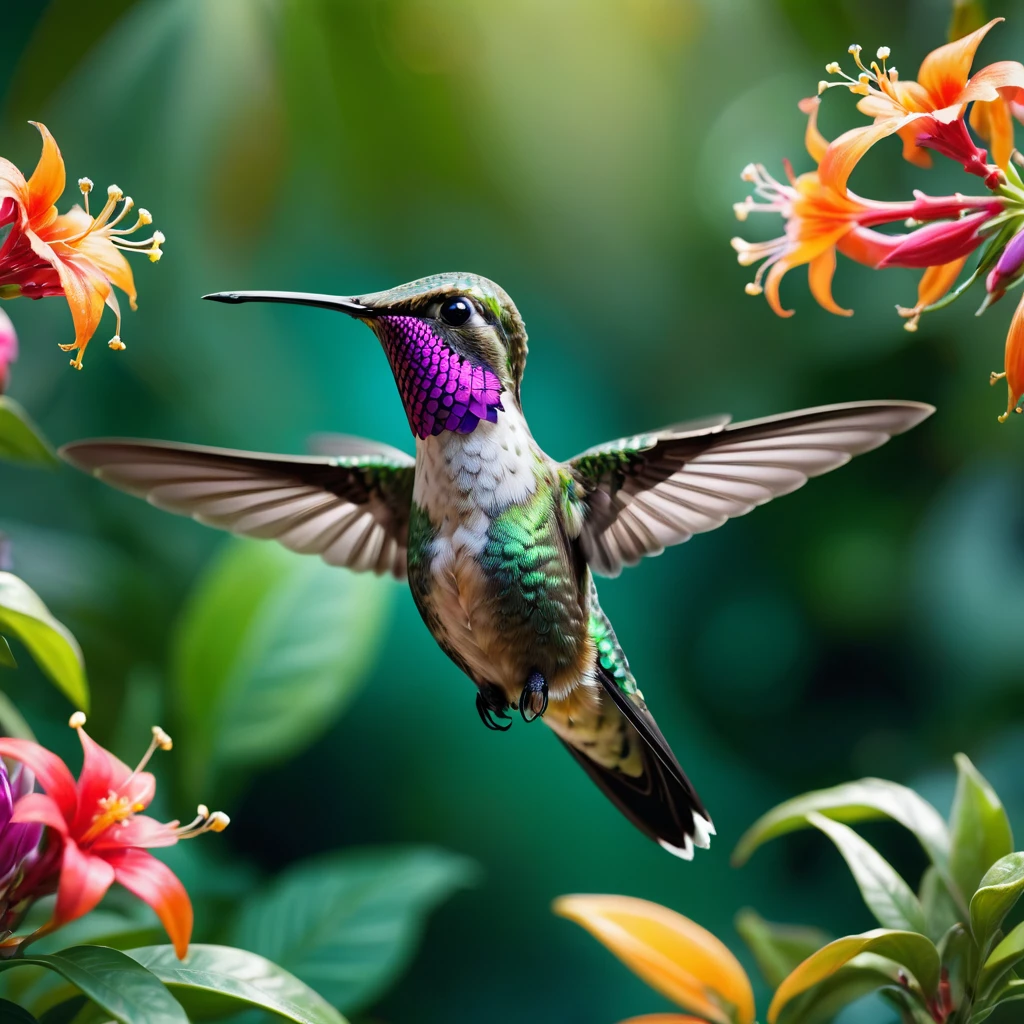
x: 613, y: 736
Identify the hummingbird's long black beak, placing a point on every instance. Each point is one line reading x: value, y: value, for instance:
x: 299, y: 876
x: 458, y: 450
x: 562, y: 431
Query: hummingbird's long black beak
x: 346, y: 305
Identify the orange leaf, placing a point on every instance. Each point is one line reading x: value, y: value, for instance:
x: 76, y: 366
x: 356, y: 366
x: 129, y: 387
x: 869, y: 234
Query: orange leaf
x: 672, y: 954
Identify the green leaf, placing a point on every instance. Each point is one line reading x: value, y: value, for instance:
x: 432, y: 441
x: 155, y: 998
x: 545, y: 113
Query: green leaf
x: 979, y: 828
x: 20, y: 439
x: 998, y: 892
x: 940, y: 909
x: 7, y: 659
x: 213, y: 981
x: 55, y: 650
x: 113, y: 981
x: 777, y: 948
x: 860, y: 977
x: 348, y: 924
x: 885, y: 892
x: 1002, y: 958
x: 64, y: 1013
x: 270, y: 648
x: 912, y: 950
x: 968, y: 15
x: 12, y: 1013
x: 863, y: 800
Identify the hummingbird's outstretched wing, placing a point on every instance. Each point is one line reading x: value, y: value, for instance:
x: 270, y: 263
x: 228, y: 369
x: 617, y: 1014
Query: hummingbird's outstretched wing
x: 645, y: 493
x: 352, y: 510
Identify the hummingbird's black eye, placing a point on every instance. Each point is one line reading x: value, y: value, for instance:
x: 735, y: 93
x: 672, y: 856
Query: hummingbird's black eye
x: 455, y: 312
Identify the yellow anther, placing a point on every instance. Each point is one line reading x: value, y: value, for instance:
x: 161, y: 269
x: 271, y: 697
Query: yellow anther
x: 203, y: 811
x: 882, y: 53
x: 116, y: 343
x: 218, y: 821
x: 85, y: 186
x: 145, y: 217
x: 996, y: 376
x: 154, y: 254
x: 749, y: 173
x: 1003, y: 417
x: 752, y: 289
x: 854, y: 48
x: 822, y: 86
x: 832, y: 67
x: 741, y: 210
x: 162, y: 740
x: 77, y: 720
x: 894, y: 75
x: 864, y: 78
x: 113, y: 192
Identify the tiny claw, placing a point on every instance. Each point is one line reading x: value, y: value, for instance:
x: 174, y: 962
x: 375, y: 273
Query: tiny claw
x: 492, y: 707
x: 533, y: 701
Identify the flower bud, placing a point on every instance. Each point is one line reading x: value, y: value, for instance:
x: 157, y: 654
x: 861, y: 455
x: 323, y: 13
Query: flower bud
x: 1009, y: 268
x: 8, y: 349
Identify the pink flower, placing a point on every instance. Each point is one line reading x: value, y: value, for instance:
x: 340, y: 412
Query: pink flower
x: 8, y: 349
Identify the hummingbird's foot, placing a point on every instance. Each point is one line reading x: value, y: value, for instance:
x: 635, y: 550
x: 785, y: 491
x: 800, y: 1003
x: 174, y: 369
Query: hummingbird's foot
x: 533, y: 701
x: 491, y: 706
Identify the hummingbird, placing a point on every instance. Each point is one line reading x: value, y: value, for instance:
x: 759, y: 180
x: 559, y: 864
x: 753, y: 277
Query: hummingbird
x: 500, y: 543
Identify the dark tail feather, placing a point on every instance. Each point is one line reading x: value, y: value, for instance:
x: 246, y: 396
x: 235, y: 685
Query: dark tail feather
x: 660, y: 801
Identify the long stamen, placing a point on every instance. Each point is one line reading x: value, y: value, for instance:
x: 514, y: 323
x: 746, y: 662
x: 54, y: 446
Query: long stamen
x: 204, y: 822
x: 145, y: 217
x: 125, y: 210
x: 85, y: 187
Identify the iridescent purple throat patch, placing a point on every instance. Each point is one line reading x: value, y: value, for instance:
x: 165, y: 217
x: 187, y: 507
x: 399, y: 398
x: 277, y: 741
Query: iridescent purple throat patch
x: 440, y: 389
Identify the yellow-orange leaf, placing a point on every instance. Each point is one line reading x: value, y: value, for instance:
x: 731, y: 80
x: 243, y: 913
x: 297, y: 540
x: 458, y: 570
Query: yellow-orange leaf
x: 678, y: 958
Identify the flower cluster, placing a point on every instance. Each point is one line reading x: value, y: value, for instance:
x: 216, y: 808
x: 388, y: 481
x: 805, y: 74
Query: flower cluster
x: 95, y: 835
x: 74, y: 254
x: 934, y: 112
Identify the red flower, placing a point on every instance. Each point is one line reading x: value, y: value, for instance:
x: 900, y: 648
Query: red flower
x: 72, y: 254
x: 100, y: 836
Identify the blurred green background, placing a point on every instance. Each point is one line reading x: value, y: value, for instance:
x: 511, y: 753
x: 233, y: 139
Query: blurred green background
x: 585, y: 154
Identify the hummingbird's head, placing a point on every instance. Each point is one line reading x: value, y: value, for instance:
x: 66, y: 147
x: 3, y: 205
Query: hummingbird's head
x: 456, y: 344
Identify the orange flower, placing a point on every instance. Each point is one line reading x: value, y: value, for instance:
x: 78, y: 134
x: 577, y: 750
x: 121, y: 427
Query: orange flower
x: 675, y: 956
x: 927, y: 112
x: 1014, y: 362
x: 821, y: 219
x: 74, y: 254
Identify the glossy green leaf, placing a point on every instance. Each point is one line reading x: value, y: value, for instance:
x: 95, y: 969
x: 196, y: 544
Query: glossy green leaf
x: 271, y: 647
x: 915, y: 952
x: 348, y: 924
x: 777, y: 948
x: 12, y: 1013
x: 20, y: 439
x: 7, y: 659
x: 12, y: 722
x: 125, y: 991
x: 860, y: 977
x: 999, y: 890
x: 980, y: 831
x: 64, y: 1013
x: 885, y: 892
x: 940, y: 909
x: 863, y: 800
x: 24, y: 616
x: 214, y: 981
x: 1009, y: 952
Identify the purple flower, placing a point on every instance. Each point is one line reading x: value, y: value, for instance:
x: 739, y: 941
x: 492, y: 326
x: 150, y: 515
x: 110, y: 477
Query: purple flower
x: 19, y: 842
x: 1008, y: 268
x: 8, y: 348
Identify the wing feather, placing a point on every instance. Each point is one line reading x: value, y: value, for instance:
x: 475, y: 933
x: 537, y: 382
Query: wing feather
x: 351, y: 508
x: 648, y: 492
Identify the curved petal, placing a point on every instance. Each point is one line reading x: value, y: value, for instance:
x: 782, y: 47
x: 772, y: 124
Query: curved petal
x: 50, y: 771
x: 669, y: 952
x: 1014, y: 363
x: 665, y: 1018
x: 844, y: 153
x: 141, y: 830
x: 912, y: 152
x: 111, y: 262
x: 819, y: 276
x: 815, y: 142
x: 864, y: 245
x: 992, y: 121
x: 155, y: 884
x: 936, y: 281
x: 42, y: 809
x: 47, y: 182
x: 803, y: 253
x: 103, y: 774
x: 939, y: 243
x: 985, y: 85
x: 944, y: 71
x: 84, y: 880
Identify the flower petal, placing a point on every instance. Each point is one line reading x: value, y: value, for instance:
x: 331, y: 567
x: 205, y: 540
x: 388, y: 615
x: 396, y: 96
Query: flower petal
x: 102, y: 774
x: 815, y: 142
x: 844, y: 153
x: 819, y: 276
x: 985, y: 85
x: 140, y: 830
x: 111, y: 263
x: 1014, y: 363
x: 8, y: 348
x: 864, y: 245
x: 664, y: 1018
x: 939, y: 243
x: 46, y: 185
x: 992, y: 121
x: 155, y: 883
x: 84, y: 880
x: 669, y: 952
x: 43, y: 809
x: 936, y: 281
x: 50, y: 771
x: 944, y: 71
